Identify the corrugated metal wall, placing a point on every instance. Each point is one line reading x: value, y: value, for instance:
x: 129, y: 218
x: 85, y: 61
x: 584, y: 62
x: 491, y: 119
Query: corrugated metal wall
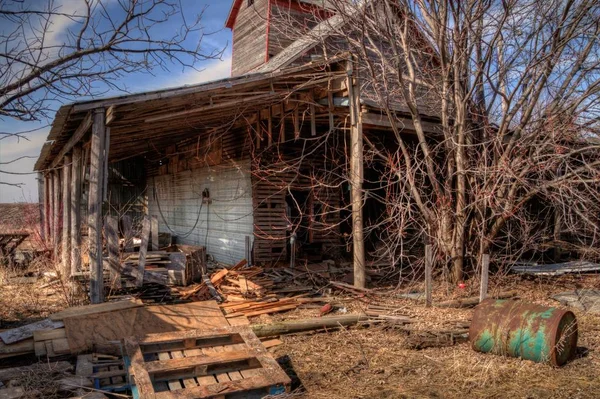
x: 222, y: 225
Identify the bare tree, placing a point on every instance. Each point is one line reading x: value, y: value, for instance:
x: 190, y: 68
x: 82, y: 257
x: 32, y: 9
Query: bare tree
x: 103, y: 41
x: 52, y: 52
x: 512, y: 85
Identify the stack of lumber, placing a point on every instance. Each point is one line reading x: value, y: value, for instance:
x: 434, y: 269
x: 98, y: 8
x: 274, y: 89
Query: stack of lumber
x: 250, y: 291
x: 269, y: 304
x: 51, y: 343
x: 161, y: 267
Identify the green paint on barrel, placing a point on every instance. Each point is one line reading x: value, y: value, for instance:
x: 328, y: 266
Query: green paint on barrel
x: 528, y: 331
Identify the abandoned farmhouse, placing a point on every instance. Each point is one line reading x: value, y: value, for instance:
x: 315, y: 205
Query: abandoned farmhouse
x: 247, y: 166
x: 364, y: 208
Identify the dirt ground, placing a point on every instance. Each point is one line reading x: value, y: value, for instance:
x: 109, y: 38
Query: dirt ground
x: 374, y: 362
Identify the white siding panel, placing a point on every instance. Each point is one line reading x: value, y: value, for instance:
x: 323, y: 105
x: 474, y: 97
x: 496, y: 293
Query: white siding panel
x: 222, y: 225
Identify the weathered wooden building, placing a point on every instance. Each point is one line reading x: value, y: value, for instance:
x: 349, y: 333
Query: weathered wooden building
x: 236, y: 165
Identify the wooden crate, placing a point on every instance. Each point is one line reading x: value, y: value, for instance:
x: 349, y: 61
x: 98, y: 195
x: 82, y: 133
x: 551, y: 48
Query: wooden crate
x: 218, y: 363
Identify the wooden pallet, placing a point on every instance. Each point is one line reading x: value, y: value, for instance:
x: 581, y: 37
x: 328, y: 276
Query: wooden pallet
x: 221, y: 362
x: 107, y: 372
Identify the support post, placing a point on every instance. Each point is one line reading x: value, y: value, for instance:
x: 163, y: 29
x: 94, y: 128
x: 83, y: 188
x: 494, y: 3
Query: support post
x: 95, y: 206
x: 76, y: 177
x: 355, y: 179
x: 112, y: 237
x: 485, y: 271
x: 47, y: 208
x: 143, y: 251
x: 42, y: 204
x: 66, y: 219
x: 428, y: 274
x: 55, y: 212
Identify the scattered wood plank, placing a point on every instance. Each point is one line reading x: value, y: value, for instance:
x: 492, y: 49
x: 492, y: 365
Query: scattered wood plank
x: 17, y: 349
x: 97, y: 308
x: 143, y: 250
x: 25, y: 332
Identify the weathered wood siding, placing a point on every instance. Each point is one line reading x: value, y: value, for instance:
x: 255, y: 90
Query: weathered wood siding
x: 250, y: 37
x: 223, y: 224
x: 287, y: 24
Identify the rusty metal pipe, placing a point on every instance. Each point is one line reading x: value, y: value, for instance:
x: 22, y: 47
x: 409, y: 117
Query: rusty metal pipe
x: 524, y: 330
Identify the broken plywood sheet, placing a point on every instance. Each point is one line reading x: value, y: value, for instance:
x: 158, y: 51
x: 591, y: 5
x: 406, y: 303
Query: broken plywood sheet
x: 25, y: 332
x: 98, y: 308
x: 96, y: 331
x: 556, y: 269
x: 585, y: 300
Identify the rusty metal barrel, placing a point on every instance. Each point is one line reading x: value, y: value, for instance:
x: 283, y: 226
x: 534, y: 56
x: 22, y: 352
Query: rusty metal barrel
x: 525, y: 330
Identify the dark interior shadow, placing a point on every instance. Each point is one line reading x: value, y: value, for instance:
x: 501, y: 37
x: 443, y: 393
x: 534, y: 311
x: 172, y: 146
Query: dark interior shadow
x: 287, y: 365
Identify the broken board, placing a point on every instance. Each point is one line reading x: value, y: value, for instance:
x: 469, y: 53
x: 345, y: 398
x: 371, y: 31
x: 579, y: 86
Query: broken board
x: 25, y: 332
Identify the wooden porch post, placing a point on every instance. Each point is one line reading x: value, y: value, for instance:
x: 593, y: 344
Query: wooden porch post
x: 42, y: 204
x: 75, y: 210
x: 66, y: 219
x: 55, y: 212
x: 50, y: 210
x: 95, y: 206
x: 46, y: 209
x: 356, y: 177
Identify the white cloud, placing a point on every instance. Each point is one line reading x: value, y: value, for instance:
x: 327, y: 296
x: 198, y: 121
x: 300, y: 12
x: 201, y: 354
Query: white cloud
x: 212, y: 70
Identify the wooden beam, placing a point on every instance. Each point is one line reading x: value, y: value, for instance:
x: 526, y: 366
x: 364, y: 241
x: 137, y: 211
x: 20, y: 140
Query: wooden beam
x: 105, y: 172
x: 428, y: 274
x: 404, y: 124
x: 75, y: 138
x: 296, y: 122
x: 112, y: 236
x: 143, y: 250
x: 110, y: 115
x: 270, y: 127
x: 313, y: 121
x: 66, y: 219
x: 55, y: 212
x: 485, y: 269
x: 127, y: 233
x: 330, y: 109
x: 154, y: 232
x: 234, y: 103
x: 42, y: 204
x: 356, y: 179
x: 76, y: 178
x: 258, y: 130
x: 95, y: 206
x: 47, y: 208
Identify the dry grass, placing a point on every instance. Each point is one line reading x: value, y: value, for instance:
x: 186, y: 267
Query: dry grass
x: 374, y: 363
x: 24, y: 303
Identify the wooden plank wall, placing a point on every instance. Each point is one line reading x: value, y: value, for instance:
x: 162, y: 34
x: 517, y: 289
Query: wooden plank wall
x: 270, y: 189
x: 287, y: 25
x: 249, y: 37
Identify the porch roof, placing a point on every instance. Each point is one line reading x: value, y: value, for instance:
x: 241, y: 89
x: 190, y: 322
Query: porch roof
x: 140, y: 122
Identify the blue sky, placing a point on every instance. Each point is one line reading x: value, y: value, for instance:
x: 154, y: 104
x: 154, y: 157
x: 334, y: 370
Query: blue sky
x: 213, y: 20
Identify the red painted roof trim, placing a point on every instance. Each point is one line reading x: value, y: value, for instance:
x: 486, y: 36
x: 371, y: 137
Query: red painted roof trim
x: 235, y: 9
